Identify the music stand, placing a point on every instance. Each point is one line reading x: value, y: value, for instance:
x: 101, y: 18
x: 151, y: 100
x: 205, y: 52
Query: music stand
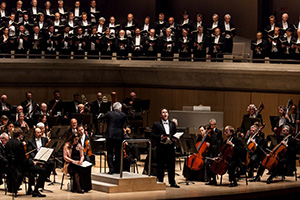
x: 189, y: 147
x: 248, y: 122
x: 83, y: 118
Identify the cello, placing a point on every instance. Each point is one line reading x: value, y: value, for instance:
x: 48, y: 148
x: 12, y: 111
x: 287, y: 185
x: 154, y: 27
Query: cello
x: 251, y: 146
x: 196, y: 160
x: 271, y: 160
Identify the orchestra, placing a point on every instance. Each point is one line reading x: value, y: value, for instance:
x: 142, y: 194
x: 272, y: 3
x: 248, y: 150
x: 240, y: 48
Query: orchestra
x: 27, y: 128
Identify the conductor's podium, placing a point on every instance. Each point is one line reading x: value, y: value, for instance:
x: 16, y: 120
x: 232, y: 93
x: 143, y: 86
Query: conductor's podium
x: 130, y: 182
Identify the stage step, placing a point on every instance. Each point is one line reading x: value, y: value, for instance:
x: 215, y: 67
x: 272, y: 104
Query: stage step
x: 112, y: 183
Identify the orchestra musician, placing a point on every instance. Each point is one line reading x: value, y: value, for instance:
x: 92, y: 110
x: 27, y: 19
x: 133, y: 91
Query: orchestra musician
x: 286, y: 162
x: 74, y: 157
x: 29, y: 107
x: 252, y: 114
x: 22, y: 123
x: 72, y: 129
x: 162, y: 133
x: 4, y: 105
x: 257, y: 155
x: 34, y: 145
x: 19, y: 164
x: 281, y: 120
x: 232, y: 162
x: 3, y: 160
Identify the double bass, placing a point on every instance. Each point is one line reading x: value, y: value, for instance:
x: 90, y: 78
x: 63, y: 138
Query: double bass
x: 288, y: 107
x: 196, y: 160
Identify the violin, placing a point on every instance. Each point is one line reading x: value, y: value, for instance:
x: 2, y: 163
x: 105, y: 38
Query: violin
x: 87, y: 150
x: 251, y: 146
x: 196, y: 160
x: 25, y: 149
x: 271, y: 160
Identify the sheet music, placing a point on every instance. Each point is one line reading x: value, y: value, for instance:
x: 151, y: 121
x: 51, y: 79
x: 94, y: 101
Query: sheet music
x: 100, y: 140
x: 85, y: 164
x: 178, y: 134
x: 44, y: 154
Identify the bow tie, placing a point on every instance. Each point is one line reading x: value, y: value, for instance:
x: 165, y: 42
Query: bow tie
x: 166, y: 123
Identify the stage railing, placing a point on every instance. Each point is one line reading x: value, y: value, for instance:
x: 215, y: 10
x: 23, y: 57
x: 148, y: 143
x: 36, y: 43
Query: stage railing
x: 135, y: 141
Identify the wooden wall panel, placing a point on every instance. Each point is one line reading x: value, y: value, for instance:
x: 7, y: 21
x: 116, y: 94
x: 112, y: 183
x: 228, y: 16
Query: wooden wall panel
x: 234, y: 107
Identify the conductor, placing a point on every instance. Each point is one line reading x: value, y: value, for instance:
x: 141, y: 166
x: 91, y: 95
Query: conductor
x: 162, y: 132
x: 115, y: 123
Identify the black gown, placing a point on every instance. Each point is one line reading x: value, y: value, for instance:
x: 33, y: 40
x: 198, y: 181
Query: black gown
x: 84, y: 172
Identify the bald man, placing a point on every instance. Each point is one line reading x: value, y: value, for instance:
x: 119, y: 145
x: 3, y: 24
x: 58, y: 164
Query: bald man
x: 4, y: 106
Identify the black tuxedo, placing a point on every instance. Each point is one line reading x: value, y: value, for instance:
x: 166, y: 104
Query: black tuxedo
x: 228, y: 36
x: 3, y: 160
x: 33, y: 17
x: 199, y: 48
x: 57, y: 108
x: 259, y: 50
x: 32, y: 145
x: 115, y: 134
x: 25, y: 109
x: 216, y: 49
x: 165, y: 152
x: 7, y: 113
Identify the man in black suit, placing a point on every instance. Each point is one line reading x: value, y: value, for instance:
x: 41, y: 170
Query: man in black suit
x: 216, y: 138
x: 115, y: 134
x: 72, y: 129
x: 56, y: 105
x: 162, y: 133
x: 286, y: 162
x: 216, y: 46
x: 3, y: 161
x: 5, y: 108
x: 34, y: 11
x: 29, y: 108
x: 98, y: 107
x: 228, y: 32
x: 259, y: 47
x: 18, y: 165
x: 252, y: 113
x: 34, y: 145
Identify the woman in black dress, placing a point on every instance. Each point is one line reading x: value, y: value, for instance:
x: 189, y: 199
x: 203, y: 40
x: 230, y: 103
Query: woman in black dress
x: 74, y: 157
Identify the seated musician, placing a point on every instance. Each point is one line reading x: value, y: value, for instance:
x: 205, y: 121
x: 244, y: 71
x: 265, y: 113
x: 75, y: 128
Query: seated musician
x: 286, y: 162
x: 293, y: 118
x: 34, y: 145
x: 231, y: 141
x: 84, y: 137
x: 128, y: 102
x: 21, y: 123
x: 3, y: 122
x: 257, y: 155
x: 198, y: 175
x: 74, y: 157
x: 72, y: 129
x: 3, y: 160
x: 19, y: 164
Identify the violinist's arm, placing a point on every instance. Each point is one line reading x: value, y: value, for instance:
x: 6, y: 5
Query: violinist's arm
x: 81, y: 155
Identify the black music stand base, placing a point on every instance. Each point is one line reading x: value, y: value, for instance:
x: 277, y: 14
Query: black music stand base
x: 187, y: 182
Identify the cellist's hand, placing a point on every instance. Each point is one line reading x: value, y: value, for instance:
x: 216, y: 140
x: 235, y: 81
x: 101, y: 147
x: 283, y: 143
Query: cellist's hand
x: 284, y: 142
x: 229, y: 143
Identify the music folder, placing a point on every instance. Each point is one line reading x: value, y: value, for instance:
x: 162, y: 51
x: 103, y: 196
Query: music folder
x: 178, y: 135
x: 85, y: 164
x: 43, y: 154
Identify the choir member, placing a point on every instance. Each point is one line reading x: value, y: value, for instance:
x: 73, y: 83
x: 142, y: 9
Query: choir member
x: 259, y: 47
x: 137, y: 43
x: 216, y: 46
x: 228, y: 32
x: 80, y: 43
x: 62, y: 11
x: 151, y: 44
x: 101, y: 27
x: 173, y: 26
x: 57, y: 23
x: 77, y: 11
x: 19, y: 12
x: 107, y: 44
x: 122, y: 44
x: 3, y: 12
x: 199, y: 22
x: 185, y: 23
x: 215, y: 24
x: 129, y: 26
x: 269, y: 30
x: 275, y: 45
x: 34, y: 11
x: 4, y: 43
x: 201, y: 42
x: 48, y: 12
x: 71, y: 23
x: 66, y: 42
x: 284, y: 24
x: 93, y: 14
x: 114, y: 28
x: 296, y: 45
x: 51, y: 41
x: 85, y: 25
x: 94, y: 43
x: 168, y: 45
x: 160, y: 25
x: 146, y: 27
x: 287, y: 45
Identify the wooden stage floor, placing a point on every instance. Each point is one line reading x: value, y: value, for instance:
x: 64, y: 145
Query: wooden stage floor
x: 258, y: 190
